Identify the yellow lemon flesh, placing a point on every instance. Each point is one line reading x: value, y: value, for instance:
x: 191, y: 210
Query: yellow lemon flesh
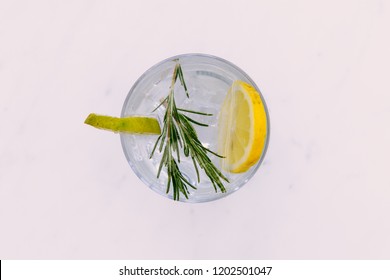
x: 132, y: 124
x: 242, y: 128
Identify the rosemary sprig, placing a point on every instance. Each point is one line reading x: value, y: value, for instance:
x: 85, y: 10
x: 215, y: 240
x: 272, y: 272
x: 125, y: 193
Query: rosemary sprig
x: 178, y: 134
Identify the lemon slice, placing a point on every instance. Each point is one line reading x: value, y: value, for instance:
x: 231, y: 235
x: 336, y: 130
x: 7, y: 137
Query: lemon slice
x: 132, y: 124
x: 242, y: 128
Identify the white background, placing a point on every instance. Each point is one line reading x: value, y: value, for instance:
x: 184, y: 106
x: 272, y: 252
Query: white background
x: 323, y: 192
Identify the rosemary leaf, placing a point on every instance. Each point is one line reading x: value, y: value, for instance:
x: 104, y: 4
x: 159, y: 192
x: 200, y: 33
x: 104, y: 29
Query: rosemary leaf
x: 195, y: 122
x: 162, y: 102
x: 181, y: 77
x: 193, y: 112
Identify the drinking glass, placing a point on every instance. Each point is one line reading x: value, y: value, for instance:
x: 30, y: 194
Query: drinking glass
x: 208, y: 79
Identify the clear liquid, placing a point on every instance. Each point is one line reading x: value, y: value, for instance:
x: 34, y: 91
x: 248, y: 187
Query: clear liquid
x: 208, y: 81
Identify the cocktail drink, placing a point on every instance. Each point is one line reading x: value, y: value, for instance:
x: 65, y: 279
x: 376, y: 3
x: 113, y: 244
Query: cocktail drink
x: 206, y: 91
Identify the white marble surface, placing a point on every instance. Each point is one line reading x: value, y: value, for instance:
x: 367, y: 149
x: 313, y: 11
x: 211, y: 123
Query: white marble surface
x: 323, y: 192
